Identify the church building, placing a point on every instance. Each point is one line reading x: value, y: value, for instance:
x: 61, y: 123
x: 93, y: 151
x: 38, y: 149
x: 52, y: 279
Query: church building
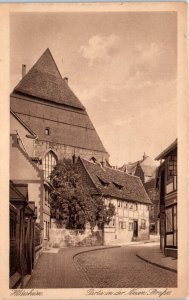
x: 44, y: 101
x: 51, y: 124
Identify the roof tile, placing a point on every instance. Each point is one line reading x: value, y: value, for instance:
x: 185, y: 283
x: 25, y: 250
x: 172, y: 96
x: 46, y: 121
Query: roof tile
x: 45, y: 81
x: 132, y: 190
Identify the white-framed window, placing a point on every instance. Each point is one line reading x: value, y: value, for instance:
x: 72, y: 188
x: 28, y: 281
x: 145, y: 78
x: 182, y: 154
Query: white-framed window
x: 130, y: 226
x: 119, y: 203
x: 47, y: 196
x: 143, y: 224
x: 49, y: 162
x: 122, y: 224
x: 47, y: 131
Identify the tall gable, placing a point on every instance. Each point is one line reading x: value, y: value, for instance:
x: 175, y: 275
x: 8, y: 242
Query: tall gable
x: 147, y: 165
x: 43, y: 100
x: 44, y: 81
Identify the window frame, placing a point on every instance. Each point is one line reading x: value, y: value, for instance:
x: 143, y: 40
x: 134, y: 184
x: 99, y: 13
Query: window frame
x: 143, y: 224
x: 47, y: 131
x: 49, y: 162
x: 173, y: 231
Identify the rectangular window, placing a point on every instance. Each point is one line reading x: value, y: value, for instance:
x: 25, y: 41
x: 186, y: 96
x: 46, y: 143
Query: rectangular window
x: 143, y: 224
x: 130, y: 226
x: 122, y: 225
x: 172, y: 166
x: 169, y: 240
x: 46, y: 195
x: 169, y: 220
x: 119, y: 203
x: 47, y: 131
x: 172, y: 173
x: 171, y: 226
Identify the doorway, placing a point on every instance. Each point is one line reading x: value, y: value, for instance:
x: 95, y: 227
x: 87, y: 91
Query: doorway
x: 135, y: 229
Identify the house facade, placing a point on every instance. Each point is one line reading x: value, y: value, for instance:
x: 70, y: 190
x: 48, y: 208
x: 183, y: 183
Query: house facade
x: 146, y: 169
x: 153, y: 193
x: 27, y: 213
x: 127, y: 193
x: 167, y: 184
x: 27, y: 171
x: 22, y: 214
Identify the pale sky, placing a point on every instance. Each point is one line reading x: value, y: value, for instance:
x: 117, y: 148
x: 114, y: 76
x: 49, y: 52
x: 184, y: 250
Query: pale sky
x: 122, y: 67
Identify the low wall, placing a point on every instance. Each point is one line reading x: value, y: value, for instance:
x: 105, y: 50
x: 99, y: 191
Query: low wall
x: 61, y: 237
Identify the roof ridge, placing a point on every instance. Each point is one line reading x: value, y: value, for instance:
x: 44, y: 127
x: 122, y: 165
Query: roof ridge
x: 44, y: 80
x: 48, y: 50
x: 106, y: 167
x: 121, y: 171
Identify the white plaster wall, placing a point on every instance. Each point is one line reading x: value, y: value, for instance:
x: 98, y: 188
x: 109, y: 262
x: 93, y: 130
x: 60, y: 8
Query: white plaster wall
x: 118, y: 235
x: 17, y: 127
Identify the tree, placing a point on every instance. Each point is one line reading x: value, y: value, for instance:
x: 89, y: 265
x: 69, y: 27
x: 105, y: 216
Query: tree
x: 74, y: 200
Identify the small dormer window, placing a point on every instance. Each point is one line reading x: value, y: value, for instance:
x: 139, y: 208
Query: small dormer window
x: 103, y: 182
x: 118, y: 186
x: 47, y: 131
x: 93, y: 159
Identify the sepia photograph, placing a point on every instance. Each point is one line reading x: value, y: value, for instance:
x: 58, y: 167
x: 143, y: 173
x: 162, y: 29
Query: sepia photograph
x: 94, y: 114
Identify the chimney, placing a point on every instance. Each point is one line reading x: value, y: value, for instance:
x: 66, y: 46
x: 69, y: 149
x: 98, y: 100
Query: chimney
x: 144, y: 156
x: 66, y: 79
x: 102, y: 164
x: 23, y: 70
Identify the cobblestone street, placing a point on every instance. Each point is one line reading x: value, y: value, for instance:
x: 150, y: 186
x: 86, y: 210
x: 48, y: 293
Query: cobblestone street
x: 115, y: 267
x: 120, y: 267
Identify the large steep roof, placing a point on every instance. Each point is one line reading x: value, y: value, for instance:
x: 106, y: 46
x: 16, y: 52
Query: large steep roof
x: 115, y: 183
x: 43, y: 99
x: 45, y: 82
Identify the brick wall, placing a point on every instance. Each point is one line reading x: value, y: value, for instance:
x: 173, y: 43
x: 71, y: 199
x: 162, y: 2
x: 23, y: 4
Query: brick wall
x: 70, y: 131
x: 63, y: 151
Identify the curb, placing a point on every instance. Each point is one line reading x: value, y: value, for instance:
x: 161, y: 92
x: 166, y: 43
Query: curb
x: 155, y: 264
x: 90, y: 250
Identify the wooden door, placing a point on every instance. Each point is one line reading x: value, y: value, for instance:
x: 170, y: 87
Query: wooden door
x: 135, y: 228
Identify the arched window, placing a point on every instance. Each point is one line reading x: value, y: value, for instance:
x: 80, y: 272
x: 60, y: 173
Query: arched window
x: 49, y: 162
